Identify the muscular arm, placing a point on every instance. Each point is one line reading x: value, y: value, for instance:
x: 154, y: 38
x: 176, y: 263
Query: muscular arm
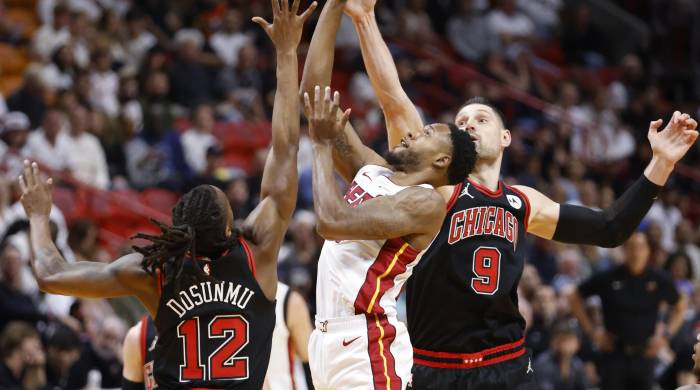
x: 401, y: 115
x: 606, y: 228
x: 414, y: 212
x: 87, y: 279
x: 299, y: 324
x: 349, y: 154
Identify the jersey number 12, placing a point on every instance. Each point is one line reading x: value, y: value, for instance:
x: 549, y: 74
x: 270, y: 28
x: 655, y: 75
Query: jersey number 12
x: 486, y: 266
x: 223, y: 364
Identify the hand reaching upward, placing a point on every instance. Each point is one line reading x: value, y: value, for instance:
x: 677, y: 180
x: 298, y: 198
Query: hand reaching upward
x: 324, y: 121
x: 672, y: 143
x: 286, y: 27
x: 36, y: 196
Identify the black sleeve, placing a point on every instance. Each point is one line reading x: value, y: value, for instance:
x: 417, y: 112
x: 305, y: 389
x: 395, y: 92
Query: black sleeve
x: 610, y: 227
x: 595, y: 285
x: 307, y: 375
x: 129, y: 385
x: 667, y: 289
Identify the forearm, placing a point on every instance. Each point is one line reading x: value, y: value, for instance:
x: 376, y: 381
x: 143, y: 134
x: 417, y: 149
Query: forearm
x: 319, y: 60
x: 658, y: 171
x: 579, y: 311
x: 285, y: 112
x: 677, y: 315
x: 609, y: 227
x: 46, y: 260
x: 328, y: 202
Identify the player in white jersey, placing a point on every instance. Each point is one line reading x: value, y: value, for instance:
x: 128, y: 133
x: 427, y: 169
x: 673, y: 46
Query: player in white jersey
x: 290, y: 340
x: 375, y: 234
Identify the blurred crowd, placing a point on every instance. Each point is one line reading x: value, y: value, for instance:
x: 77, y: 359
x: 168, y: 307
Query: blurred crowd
x: 126, y: 94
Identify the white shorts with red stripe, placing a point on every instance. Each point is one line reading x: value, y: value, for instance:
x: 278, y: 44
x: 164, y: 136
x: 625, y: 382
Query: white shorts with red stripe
x: 361, y: 352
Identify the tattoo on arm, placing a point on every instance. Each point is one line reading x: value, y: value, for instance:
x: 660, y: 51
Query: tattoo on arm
x: 342, y: 146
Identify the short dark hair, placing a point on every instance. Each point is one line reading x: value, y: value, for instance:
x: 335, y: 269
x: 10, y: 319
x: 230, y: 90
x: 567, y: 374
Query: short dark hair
x: 463, y: 155
x: 14, y: 335
x: 486, y: 102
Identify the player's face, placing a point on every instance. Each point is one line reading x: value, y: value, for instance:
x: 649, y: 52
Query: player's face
x: 486, y: 130
x: 419, y: 149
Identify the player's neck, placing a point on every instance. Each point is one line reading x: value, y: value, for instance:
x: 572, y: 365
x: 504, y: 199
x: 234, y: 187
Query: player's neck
x: 487, y: 173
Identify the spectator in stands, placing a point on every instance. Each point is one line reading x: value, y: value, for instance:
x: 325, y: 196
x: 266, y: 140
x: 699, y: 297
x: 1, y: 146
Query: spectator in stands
x: 229, y: 41
x: 582, y: 42
x: 63, y: 350
x: 543, y: 13
x: 104, y: 84
x: 470, y: 33
x: 49, y: 144
x: 30, y: 98
x: 156, y: 96
x: 59, y: 72
x: 86, y: 159
x: 678, y: 266
x: 139, y: 40
x: 667, y: 215
x: 198, y: 139
x: 630, y: 85
x: 22, y: 358
x: 82, y: 239
x: 296, y: 265
x: 514, y: 29
x: 560, y: 368
x: 245, y: 78
x: 415, y: 24
x: 104, y: 351
x: 686, y: 242
x: 54, y: 34
x: 15, y: 304
x: 544, y: 315
x: 13, y: 133
x: 190, y: 79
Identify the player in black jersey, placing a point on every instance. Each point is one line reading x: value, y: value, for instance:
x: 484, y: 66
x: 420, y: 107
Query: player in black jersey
x: 138, y: 355
x: 210, y: 287
x: 463, y: 313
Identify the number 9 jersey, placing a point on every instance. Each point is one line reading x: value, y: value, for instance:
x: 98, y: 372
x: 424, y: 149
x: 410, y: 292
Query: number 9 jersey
x: 215, y: 333
x: 462, y: 297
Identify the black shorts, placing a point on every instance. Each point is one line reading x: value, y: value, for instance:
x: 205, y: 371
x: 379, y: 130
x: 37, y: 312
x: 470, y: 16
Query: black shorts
x: 515, y: 374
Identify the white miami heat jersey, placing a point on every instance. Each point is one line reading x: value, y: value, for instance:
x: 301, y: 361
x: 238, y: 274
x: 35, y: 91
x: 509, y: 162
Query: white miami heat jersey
x: 364, y: 277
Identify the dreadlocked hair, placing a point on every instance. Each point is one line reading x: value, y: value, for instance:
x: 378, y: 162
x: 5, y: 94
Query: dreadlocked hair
x: 199, y: 229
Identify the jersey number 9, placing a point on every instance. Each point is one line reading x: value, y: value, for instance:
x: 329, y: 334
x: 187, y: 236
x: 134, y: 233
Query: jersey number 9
x: 486, y: 265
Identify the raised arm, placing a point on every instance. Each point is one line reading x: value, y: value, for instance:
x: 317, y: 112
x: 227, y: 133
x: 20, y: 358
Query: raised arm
x: 85, y: 279
x: 612, y: 226
x: 278, y: 193
x: 349, y: 153
x: 384, y: 217
x: 401, y: 115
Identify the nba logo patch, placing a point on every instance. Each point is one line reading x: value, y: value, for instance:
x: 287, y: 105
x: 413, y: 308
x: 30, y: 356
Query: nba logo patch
x: 514, y: 201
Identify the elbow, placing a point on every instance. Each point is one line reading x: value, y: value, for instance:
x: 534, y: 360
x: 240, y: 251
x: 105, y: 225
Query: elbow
x: 327, y: 229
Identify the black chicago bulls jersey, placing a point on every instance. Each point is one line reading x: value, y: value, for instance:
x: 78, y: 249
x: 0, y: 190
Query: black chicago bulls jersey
x: 215, y: 334
x: 149, y: 337
x: 462, y: 296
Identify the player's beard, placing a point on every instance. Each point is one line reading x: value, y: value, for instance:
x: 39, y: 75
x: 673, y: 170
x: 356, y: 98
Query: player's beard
x: 404, y: 160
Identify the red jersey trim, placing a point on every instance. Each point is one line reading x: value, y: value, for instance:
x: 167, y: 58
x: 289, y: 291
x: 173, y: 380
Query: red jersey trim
x: 380, y: 335
x: 144, y: 329
x: 159, y: 281
x: 482, y: 363
x: 249, y: 253
x: 527, y: 204
x: 486, y: 191
x: 473, y: 355
x: 455, y: 195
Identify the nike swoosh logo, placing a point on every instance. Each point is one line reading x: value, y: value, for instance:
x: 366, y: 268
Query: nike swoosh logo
x: 346, y: 343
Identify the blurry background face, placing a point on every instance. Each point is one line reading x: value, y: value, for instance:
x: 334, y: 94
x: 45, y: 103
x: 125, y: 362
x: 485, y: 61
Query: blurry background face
x: 637, y: 252
x: 204, y: 118
x: 10, y: 265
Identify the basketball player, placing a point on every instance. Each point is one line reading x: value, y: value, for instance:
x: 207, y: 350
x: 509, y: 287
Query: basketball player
x: 375, y: 235
x: 138, y: 355
x: 290, y: 339
x: 210, y: 288
x: 462, y: 303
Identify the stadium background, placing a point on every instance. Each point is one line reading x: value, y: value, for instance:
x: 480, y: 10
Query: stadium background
x: 144, y: 99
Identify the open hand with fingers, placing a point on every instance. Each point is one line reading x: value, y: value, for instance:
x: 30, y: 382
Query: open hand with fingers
x: 324, y: 120
x: 285, y: 29
x: 672, y: 143
x: 36, y: 194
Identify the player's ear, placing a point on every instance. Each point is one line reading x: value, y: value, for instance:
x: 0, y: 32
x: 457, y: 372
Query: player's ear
x: 505, y: 138
x: 442, y: 161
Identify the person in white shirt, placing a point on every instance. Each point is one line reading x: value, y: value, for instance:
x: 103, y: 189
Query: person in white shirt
x: 199, y: 138
x: 51, y: 36
x: 86, y: 159
x: 514, y: 28
x: 105, y: 84
x: 231, y: 39
x: 140, y: 40
x: 49, y: 143
x: 13, y: 138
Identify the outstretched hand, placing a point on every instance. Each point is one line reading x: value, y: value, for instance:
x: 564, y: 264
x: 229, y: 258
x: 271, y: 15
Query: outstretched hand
x: 36, y: 196
x: 672, y: 143
x: 285, y: 29
x: 324, y: 121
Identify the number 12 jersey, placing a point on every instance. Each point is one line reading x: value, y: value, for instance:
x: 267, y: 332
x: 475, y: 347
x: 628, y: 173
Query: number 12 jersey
x: 463, y: 296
